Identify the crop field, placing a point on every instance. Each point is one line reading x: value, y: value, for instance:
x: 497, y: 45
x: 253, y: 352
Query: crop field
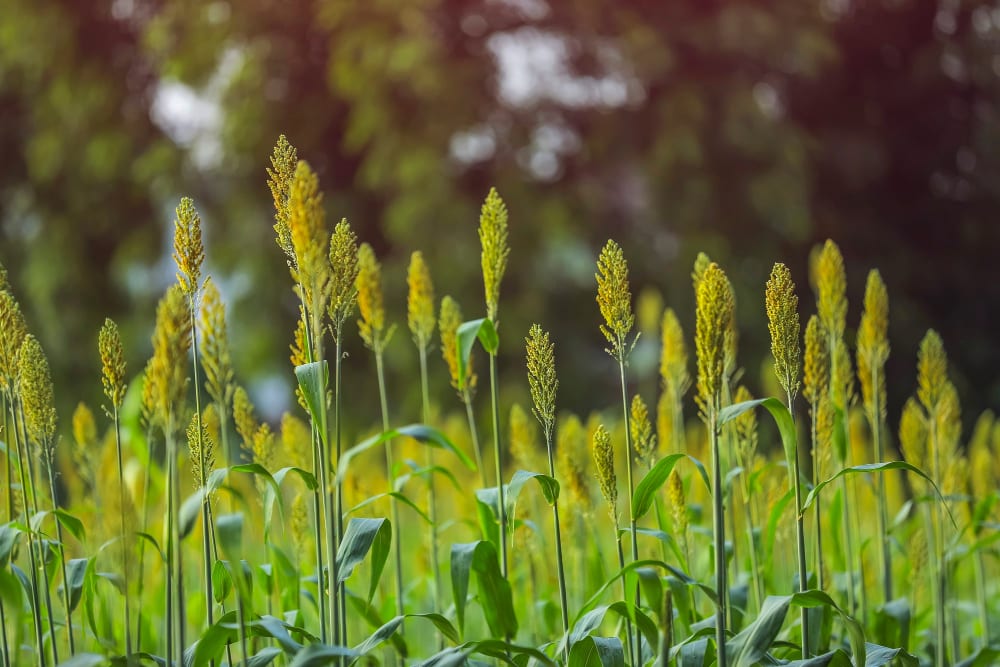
x: 700, y: 525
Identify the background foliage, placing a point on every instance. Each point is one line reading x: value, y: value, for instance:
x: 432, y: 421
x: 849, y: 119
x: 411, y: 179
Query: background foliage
x: 746, y: 129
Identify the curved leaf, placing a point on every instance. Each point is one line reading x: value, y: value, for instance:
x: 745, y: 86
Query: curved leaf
x: 420, y: 432
x: 646, y: 490
x: 316, y: 655
x: 313, y: 379
x: 361, y: 536
x: 548, y: 486
x: 496, y: 599
x: 597, y: 652
x: 467, y: 334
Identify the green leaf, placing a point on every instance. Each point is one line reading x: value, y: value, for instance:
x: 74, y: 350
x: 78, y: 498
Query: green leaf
x: 313, y: 379
x: 316, y: 655
x: 388, y: 629
x: 548, y: 486
x: 190, y: 511
x: 76, y: 570
x: 495, y: 595
x: 9, y: 535
x: 264, y: 657
x: 877, y: 656
x: 751, y: 645
x: 222, y: 583
x: 868, y: 468
x: 419, y: 432
x: 645, y: 492
x: 361, y: 536
x: 467, y: 334
x: 634, y: 565
x: 782, y: 418
x: 307, y: 477
x: 597, y: 652
x: 84, y: 660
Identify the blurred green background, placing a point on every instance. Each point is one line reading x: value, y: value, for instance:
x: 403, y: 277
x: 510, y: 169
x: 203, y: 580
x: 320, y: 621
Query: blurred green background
x: 749, y: 129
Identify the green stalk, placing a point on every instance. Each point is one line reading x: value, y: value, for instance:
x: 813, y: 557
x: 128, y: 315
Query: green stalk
x: 467, y: 400
x: 938, y: 549
x: 169, y: 582
x: 564, y: 607
x: 817, y: 512
x: 40, y: 557
x: 62, y: 562
x: 28, y: 511
x: 431, y: 496
x: 494, y: 393
x: 719, y: 531
x: 177, y: 560
x: 628, y: 623
x: 339, y: 609
x: 206, y: 525
x: 393, y: 505
x: 142, y: 543
x: 758, y: 585
x: 981, y: 600
x: 800, y: 539
x: 3, y: 629
x: 882, y: 519
x: 125, y: 551
x: 631, y: 490
x: 9, y: 466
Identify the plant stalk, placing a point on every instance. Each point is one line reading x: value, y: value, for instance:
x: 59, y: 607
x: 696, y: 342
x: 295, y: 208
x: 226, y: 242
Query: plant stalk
x: 390, y: 472
x: 631, y: 491
x: 431, y: 495
x: 501, y: 504
x: 719, y: 531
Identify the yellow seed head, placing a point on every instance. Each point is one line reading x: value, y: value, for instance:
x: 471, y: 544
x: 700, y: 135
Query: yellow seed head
x: 448, y: 323
x: 713, y: 326
x: 147, y: 414
x: 109, y: 345
x: 279, y: 180
x: 981, y: 456
x: 571, y: 462
x: 614, y: 298
x: 604, y: 460
x: 197, y: 447
x: 873, y: 344
x: 913, y: 433
x: 932, y: 371
x: 243, y: 417
x: 831, y: 285
x: 369, y: 282
x: 842, y: 376
x: 673, y: 356
x: 746, y: 430
x: 296, y: 441
x: 678, y: 505
x: 262, y: 447
x: 783, y: 323
x: 541, y: 362
x: 823, y: 412
x: 298, y: 521
x: 643, y: 437
x: 420, y: 303
x: 36, y: 395
x: 4, y: 284
x: 212, y: 422
x: 523, y: 438
x: 307, y: 223
x: 949, y: 422
x: 701, y: 263
x: 168, y: 366
x: 215, y: 357
x: 343, y: 276
x: 493, y: 238
x: 299, y: 355
x: 189, y: 253
x: 649, y: 308
x: 816, y: 372
x: 85, y: 441
x: 12, y: 333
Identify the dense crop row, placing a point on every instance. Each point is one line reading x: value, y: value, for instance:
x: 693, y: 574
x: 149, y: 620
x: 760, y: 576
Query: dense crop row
x: 179, y: 527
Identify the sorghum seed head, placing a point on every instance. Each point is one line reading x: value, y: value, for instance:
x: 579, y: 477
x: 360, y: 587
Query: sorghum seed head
x: 783, y: 324
x: 493, y: 238
x: 713, y: 324
x: 109, y: 344
x: 279, y: 179
x: 370, y: 303
x: 541, y: 362
x: 614, y: 298
x: 420, y: 302
x: 343, y: 275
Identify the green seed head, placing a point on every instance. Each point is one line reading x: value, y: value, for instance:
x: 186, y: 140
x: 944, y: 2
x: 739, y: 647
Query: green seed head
x: 713, y: 327
x: 448, y: 323
x: 673, y: 356
x: 614, y: 298
x: 37, y: 395
x: 932, y: 371
x: 109, y: 344
x: 13, y: 331
x: 215, y: 356
x: 493, y: 237
x: 307, y: 226
x: 831, y: 284
x: 168, y: 366
x: 279, y: 180
x: 913, y: 433
x: 343, y: 276
x: 783, y: 323
x: 541, y: 362
x: 370, y: 303
x: 873, y: 343
x: 420, y: 304
x: 604, y: 459
x: 189, y: 253
x: 816, y: 375
x: 643, y: 437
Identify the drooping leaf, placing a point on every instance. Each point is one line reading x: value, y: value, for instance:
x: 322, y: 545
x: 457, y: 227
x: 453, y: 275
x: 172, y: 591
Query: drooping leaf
x: 360, y: 537
x: 76, y: 570
x: 467, y: 334
x: 313, y: 379
x: 597, y: 652
x: 869, y: 468
x: 419, y: 432
x: 651, y: 483
x: 496, y: 599
x: 548, y: 486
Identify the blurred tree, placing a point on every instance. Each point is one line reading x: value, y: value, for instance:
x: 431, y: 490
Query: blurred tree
x: 746, y: 129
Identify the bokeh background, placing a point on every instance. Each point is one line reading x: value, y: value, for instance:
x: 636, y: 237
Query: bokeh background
x: 749, y: 129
